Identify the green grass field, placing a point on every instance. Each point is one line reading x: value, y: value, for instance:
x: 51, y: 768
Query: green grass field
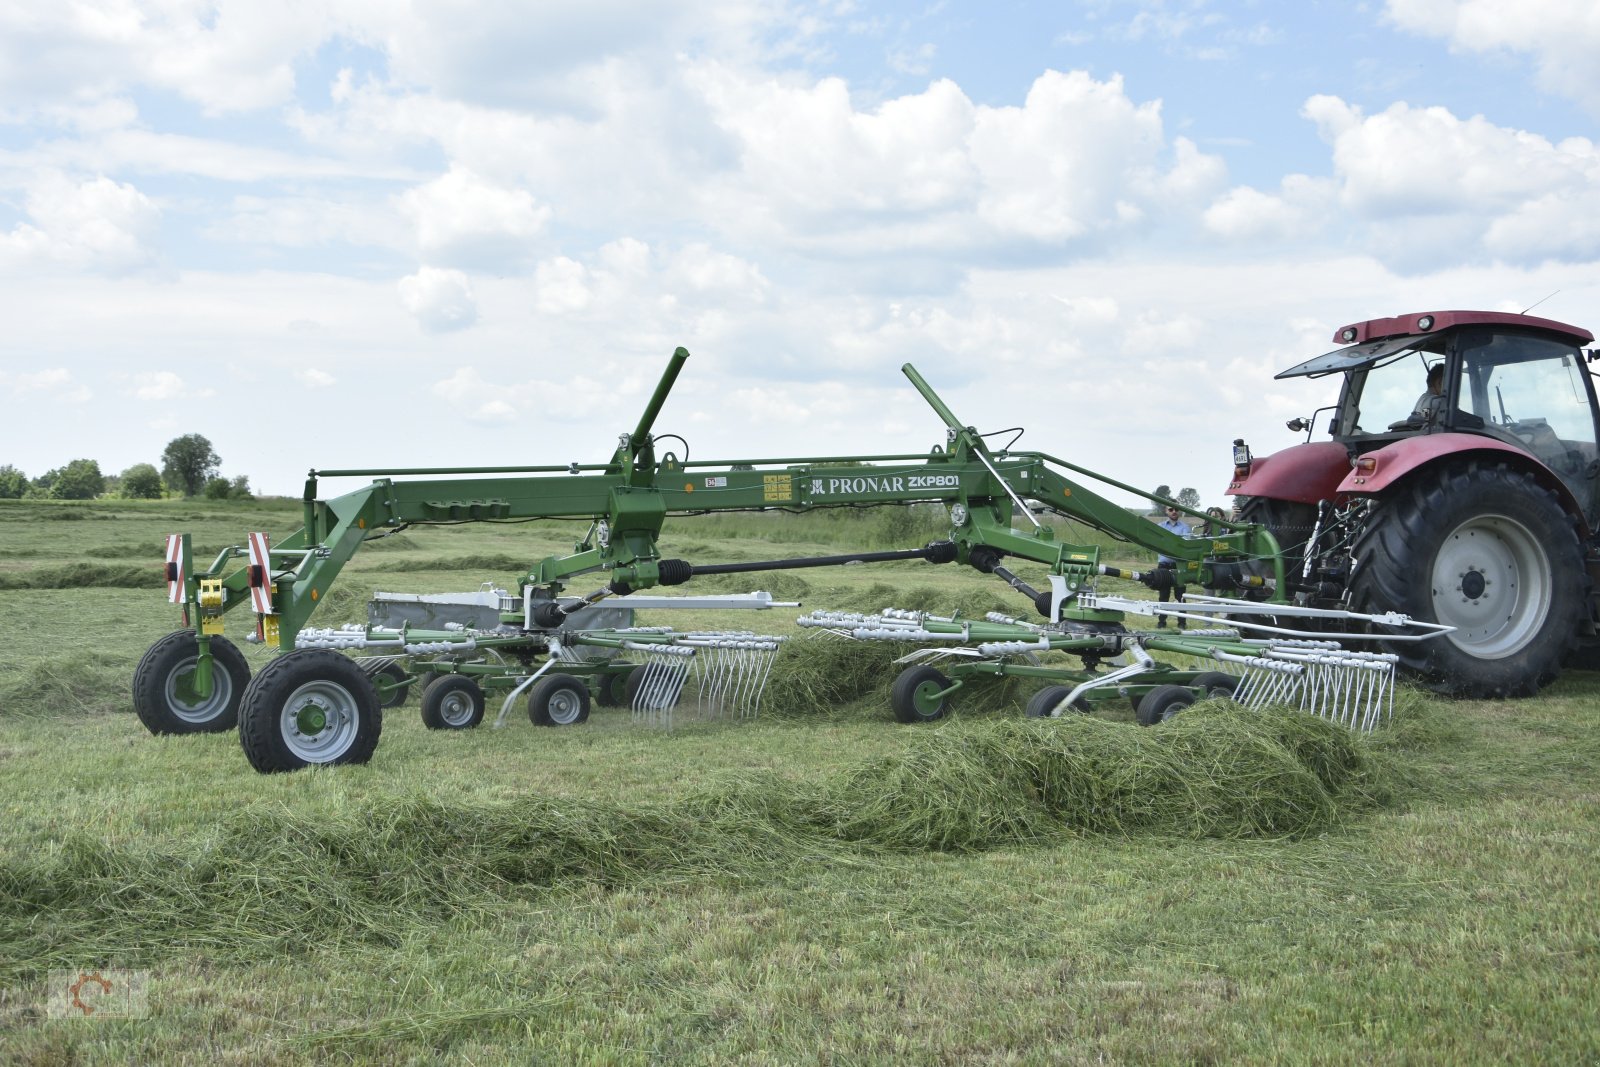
x: 819, y: 885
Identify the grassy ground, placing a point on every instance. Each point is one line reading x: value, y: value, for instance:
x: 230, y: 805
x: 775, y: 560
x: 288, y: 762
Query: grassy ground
x: 825, y: 887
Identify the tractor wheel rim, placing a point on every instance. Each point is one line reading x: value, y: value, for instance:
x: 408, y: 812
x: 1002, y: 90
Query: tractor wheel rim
x: 320, y: 721
x: 1493, y: 582
x: 456, y: 709
x: 563, y: 707
x: 181, y: 700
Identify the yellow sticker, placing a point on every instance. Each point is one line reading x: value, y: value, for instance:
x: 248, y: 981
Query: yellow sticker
x: 777, y: 487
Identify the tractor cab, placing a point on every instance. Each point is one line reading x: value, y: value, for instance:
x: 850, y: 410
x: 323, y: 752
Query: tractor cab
x: 1516, y: 380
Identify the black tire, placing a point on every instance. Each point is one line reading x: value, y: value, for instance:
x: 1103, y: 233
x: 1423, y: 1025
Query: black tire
x: 611, y: 691
x: 661, y: 686
x: 309, y: 707
x: 452, y: 702
x: 1042, y: 703
x: 391, y: 673
x: 1488, y: 550
x: 1214, y: 684
x: 558, y: 700
x: 1163, y: 702
x: 1290, y: 522
x: 162, y: 699
x: 914, y: 696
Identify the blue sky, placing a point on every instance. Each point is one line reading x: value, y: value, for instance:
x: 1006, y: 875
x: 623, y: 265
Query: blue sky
x: 350, y: 233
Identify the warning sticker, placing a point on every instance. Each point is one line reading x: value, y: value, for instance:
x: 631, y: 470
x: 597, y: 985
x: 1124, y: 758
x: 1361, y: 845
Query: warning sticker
x: 778, y: 486
x: 716, y: 483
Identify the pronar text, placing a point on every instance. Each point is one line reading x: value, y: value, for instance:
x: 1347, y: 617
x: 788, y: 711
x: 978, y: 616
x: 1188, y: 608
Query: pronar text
x: 888, y: 483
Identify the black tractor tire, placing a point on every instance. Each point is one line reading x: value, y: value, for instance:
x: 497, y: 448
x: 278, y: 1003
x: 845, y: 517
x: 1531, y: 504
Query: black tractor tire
x: 310, y: 707
x: 1290, y: 522
x: 160, y: 689
x: 1042, y: 703
x: 452, y: 702
x: 611, y: 691
x: 914, y: 695
x: 1163, y: 702
x: 1484, y: 548
x: 1214, y: 684
x: 558, y: 700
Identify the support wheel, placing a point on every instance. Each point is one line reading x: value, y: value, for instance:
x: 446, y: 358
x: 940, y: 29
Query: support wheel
x: 611, y: 691
x: 163, y: 689
x: 1163, y: 702
x: 1043, y: 703
x: 916, y: 696
x: 452, y: 702
x: 558, y: 700
x: 1489, y: 551
x: 309, y: 707
x: 1214, y: 685
x: 653, y: 690
x: 384, y: 678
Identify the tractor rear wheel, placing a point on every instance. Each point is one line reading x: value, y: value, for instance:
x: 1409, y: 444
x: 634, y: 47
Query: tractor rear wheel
x: 1489, y: 551
x: 1290, y: 523
x: 163, y: 686
x: 312, y: 706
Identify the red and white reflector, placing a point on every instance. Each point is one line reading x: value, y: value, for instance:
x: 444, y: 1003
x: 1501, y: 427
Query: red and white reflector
x: 260, y: 574
x: 177, y: 573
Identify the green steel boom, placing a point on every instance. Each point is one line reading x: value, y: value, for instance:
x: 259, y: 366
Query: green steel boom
x: 628, y: 499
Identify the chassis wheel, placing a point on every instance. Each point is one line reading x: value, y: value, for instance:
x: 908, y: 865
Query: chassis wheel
x: 452, y: 702
x: 1484, y: 549
x: 313, y: 706
x: 1163, y: 702
x: 915, y: 695
x: 611, y: 691
x: 388, y: 675
x: 163, y: 692
x: 1044, y: 702
x: 558, y: 700
x: 1214, y: 684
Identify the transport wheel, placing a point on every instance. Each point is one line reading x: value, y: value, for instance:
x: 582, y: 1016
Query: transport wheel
x: 389, y: 674
x: 1045, y: 700
x: 163, y: 689
x: 658, y: 690
x: 1163, y: 702
x: 1213, y: 684
x: 452, y: 702
x: 1489, y: 551
x: 558, y: 700
x: 313, y: 706
x: 612, y: 689
x: 915, y: 695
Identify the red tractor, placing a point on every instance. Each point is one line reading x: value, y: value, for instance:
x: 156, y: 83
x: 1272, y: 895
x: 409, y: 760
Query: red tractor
x: 1474, y: 504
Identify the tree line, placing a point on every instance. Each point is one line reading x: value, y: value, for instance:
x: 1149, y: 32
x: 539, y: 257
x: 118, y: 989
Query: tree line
x: 189, y: 467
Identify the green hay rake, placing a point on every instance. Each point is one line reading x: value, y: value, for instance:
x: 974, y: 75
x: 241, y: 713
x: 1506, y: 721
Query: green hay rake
x: 315, y: 704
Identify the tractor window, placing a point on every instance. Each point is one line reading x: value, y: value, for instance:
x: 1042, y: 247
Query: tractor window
x: 1390, y: 392
x: 1532, y: 392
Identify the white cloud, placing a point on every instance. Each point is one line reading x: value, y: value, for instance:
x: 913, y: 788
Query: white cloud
x: 462, y: 219
x: 1561, y: 36
x: 57, y: 383
x: 315, y: 378
x: 440, y: 300
x: 95, y: 224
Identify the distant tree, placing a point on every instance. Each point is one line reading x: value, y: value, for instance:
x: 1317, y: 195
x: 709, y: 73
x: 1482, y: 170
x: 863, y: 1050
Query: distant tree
x: 1162, y: 490
x: 189, y: 462
x: 239, y: 489
x: 1189, y: 498
x: 142, y: 482
x: 79, y: 480
x: 218, y: 488
x: 41, y: 485
x: 13, y: 483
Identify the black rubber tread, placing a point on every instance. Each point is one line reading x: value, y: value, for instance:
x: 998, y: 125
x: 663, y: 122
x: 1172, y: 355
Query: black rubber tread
x: 259, y: 733
x: 396, y: 673
x: 1163, y: 702
x: 1394, y: 556
x: 160, y: 659
x: 1212, y: 684
x: 546, y: 689
x: 1290, y: 522
x: 1042, y: 703
x: 611, y: 691
x: 442, y: 688
x: 903, y: 694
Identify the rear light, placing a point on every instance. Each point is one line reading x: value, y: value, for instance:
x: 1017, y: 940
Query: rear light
x: 1365, y: 465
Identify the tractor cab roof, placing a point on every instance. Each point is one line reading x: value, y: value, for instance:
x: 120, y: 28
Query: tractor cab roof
x: 1370, y: 341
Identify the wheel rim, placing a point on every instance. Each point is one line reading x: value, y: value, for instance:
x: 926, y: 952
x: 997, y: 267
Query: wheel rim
x: 184, y: 703
x: 456, y: 708
x: 563, y: 706
x: 319, y: 721
x: 926, y: 698
x: 1492, y: 581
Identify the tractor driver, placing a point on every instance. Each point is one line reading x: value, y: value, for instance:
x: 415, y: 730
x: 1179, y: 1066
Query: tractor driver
x: 1431, y: 404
